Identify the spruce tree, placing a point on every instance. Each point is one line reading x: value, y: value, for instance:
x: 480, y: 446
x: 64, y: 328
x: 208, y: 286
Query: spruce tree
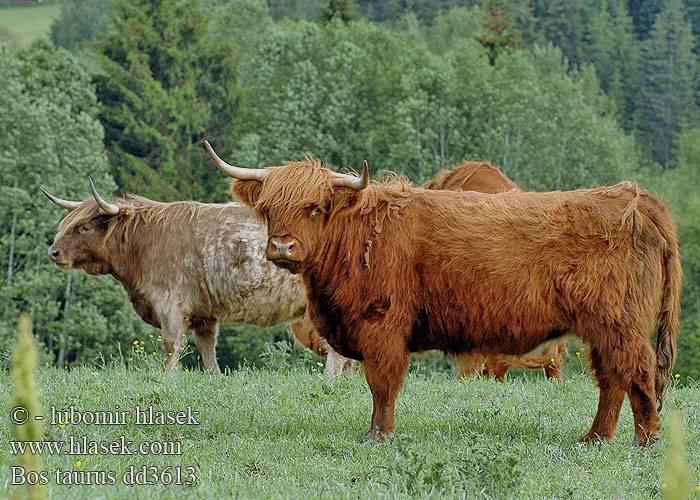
x: 614, y: 50
x: 644, y: 14
x: 499, y: 35
x: 345, y: 10
x: 166, y: 87
x: 670, y: 82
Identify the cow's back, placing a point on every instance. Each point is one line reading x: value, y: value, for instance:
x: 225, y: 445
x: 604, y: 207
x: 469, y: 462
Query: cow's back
x: 474, y: 176
x: 500, y: 266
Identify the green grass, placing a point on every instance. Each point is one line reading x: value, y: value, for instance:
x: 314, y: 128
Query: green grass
x: 297, y: 434
x: 28, y: 22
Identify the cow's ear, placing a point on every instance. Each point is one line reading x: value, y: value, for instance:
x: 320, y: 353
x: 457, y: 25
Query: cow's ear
x: 246, y: 191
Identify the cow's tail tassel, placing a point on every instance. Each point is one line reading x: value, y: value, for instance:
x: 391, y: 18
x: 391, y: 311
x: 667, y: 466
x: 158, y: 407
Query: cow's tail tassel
x: 668, y: 323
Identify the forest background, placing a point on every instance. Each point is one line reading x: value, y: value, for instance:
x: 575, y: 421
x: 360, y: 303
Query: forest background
x: 560, y: 94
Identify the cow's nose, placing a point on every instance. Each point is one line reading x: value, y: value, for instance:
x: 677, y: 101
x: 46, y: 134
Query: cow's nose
x: 282, y: 249
x: 53, y: 254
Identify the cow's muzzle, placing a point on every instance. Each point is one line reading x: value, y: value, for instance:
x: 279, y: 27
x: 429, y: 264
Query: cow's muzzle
x: 285, y: 252
x: 55, y: 256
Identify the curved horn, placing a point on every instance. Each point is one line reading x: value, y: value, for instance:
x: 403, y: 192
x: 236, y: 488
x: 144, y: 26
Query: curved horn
x: 68, y: 205
x: 350, y: 181
x: 243, y: 174
x: 110, y: 208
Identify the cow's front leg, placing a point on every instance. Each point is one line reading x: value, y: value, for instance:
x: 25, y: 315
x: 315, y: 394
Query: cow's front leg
x: 385, y: 373
x: 174, y: 331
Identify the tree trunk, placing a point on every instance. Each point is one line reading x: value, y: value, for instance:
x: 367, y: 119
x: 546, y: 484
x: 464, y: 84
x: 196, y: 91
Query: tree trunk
x: 11, y: 263
x: 62, y: 351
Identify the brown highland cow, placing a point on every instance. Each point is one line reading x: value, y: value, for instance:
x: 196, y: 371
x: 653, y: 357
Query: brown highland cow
x: 391, y: 269
x: 467, y: 176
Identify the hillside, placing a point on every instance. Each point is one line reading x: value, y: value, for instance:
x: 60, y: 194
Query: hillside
x: 297, y: 434
x: 27, y: 22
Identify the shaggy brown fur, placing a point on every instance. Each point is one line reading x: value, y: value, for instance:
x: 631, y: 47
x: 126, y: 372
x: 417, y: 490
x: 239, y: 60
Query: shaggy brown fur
x: 467, y: 176
x: 395, y: 269
x: 472, y: 176
x: 183, y: 264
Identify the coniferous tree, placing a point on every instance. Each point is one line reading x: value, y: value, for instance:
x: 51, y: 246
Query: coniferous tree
x: 563, y: 25
x: 643, y: 14
x: 166, y: 87
x: 345, y: 10
x: 670, y: 82
x: 499, y: 35
x: 615, y: 52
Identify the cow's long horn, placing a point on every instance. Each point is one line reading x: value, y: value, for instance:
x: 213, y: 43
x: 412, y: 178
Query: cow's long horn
x: 68, y: 205
x: 350, y: 181
x: 244, y: 174
x: 110, y: 208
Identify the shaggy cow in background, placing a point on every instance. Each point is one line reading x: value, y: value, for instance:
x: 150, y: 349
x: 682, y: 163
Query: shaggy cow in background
x: 392, y: 269
x: 183, y: 264
x: 467, y: 176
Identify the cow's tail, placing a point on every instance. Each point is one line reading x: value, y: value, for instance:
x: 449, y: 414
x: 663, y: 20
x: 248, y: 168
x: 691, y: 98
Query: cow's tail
x: 668, y: 320
x: 549, y: 357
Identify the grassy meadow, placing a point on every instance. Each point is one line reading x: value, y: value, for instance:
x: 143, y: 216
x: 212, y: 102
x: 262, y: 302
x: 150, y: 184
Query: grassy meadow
x: 294, y: 433
x: 26, y: 23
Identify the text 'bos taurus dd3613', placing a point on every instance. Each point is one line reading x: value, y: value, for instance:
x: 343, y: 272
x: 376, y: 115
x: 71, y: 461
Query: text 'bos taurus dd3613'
x: 392, y: 269
x: 183, y: 264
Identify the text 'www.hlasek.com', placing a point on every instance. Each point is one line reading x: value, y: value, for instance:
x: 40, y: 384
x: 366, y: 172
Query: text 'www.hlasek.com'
x: 82, y: 449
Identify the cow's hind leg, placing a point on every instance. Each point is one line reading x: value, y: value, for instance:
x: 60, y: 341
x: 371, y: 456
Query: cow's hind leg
x: 385, y: 374
x: 205, y: 339
x: 621, y: 371
x: 642, y: 394
x: 496, y: 367
x: 612, y: 394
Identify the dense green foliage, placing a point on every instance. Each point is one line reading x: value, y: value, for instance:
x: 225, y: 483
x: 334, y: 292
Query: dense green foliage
x: 165, y: 86
x: 368, y: 93
x: 290, y: 433
x: 670, y: 82
x: 80, y: 21
x: 51, y: 137
x: 559, y: 94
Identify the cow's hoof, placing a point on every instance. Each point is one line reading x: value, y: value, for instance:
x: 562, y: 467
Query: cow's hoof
x: 592, y: 437
x: 646, y: 440
x: 377, y: 436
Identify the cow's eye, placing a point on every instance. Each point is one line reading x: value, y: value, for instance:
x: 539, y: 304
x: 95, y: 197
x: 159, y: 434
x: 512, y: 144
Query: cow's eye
x: 316, y: 212
x: 84, y: 229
